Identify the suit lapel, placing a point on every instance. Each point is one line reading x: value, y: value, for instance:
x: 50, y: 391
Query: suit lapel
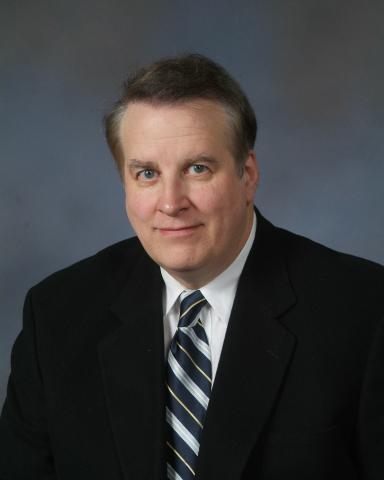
x: 255, y: 356
x: 132, y: 363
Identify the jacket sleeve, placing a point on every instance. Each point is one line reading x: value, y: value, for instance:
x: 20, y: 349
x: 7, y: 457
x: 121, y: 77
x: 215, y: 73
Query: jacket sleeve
x: 371, y: 418
x: 24, y: 441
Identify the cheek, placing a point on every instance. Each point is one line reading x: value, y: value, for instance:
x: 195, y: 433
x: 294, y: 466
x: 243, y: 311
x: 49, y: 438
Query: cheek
x: 138, y: 206
x: 221, y: 199
x: 210, y: 199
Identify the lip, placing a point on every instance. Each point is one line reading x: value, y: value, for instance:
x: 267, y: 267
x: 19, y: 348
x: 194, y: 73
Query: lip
x: 178, y: 232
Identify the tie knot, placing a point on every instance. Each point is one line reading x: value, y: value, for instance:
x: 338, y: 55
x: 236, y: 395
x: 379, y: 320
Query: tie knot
x: 190, y: 308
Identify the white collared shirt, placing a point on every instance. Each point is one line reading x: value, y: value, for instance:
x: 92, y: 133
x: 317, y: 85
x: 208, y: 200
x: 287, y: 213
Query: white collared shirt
x: 219, y: 293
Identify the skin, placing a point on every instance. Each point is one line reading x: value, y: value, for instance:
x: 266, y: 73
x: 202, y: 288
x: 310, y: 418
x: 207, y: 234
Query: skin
x: 185, y: 200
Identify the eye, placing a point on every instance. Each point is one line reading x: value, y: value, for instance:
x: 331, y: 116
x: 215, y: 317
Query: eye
x: 197, y: 168
x: 147, y: 174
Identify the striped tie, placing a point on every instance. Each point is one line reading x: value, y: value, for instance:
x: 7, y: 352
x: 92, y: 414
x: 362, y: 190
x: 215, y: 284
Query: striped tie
x: 189, y: 382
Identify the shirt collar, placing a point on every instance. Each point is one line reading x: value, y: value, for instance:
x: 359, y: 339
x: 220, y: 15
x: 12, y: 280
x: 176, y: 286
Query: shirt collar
x: 219, y: 292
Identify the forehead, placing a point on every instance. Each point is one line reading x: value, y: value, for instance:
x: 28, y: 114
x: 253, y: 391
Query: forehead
x: 198, y: 120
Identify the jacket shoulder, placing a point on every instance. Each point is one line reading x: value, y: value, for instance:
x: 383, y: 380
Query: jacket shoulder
x: 305, y: 249
x: 316, y: 266
x: 103, y: 271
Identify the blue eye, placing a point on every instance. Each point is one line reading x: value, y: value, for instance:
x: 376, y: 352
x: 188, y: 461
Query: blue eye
x: 198, y: 168
x: 146, y: 174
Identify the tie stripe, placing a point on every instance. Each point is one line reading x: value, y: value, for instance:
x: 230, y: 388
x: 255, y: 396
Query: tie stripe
x: 196, y: 375
x: 182, y: 431
x: 186, y: 397
x: 180, y: 403
x: 190, y: 307
x: 200, y: 332
x: 203, y: 362
x: 172, y: 474
x: 189, y: 356
x: 190, y: 421
x: 180, y: 460
x: 197, y: 342
x: 181, y: 451
x: 189, y: 382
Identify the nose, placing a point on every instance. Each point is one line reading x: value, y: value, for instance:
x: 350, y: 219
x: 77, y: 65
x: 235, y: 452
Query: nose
x: 173, y: 199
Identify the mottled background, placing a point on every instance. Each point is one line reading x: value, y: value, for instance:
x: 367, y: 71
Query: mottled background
x: 313, y: 70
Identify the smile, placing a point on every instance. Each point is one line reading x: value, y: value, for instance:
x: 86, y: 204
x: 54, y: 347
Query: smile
x: 178, y: 232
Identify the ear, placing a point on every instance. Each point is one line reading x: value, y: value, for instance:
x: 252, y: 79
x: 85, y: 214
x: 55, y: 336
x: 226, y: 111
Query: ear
x: 250, y: 175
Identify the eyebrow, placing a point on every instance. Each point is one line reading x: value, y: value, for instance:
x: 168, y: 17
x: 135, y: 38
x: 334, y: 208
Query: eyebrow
x: 203, y: 158
x: 134, y: 163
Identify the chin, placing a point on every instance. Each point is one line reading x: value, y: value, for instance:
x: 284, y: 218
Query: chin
x: 181, y: 266
x: 178, y: 259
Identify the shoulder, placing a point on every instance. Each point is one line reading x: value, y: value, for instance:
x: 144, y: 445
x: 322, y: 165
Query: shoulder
x: 300, y: 249
x: 100, y: 274
x: 317, y: 272
x: 320, y: 269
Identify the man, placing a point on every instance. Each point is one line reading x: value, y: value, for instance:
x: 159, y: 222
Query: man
x: 212, y: 346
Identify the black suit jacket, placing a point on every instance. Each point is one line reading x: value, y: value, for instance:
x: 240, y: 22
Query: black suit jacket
x: 299, y: 391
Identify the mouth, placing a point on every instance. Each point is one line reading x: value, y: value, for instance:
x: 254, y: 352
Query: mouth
x: 178, y: 232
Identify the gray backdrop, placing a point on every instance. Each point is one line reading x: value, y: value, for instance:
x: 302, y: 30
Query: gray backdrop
x: 313, y: 70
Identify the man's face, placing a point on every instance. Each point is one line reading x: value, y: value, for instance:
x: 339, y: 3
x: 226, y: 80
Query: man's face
x: 184, y: 197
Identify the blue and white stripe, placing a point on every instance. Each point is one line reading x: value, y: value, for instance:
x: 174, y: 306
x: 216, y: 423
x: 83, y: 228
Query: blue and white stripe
x: 189, y: 381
